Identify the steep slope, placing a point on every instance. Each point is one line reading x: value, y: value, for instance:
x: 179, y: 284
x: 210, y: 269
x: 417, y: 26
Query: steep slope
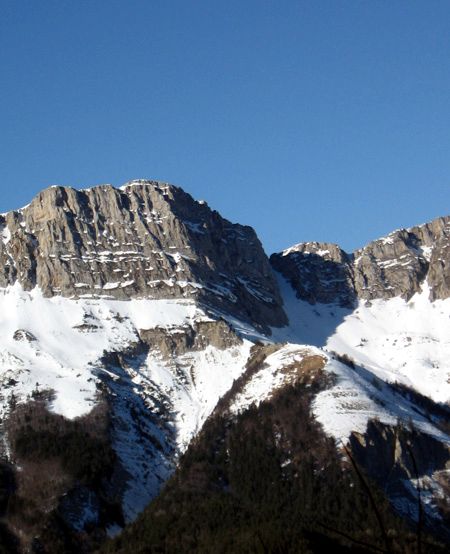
x: 161, y: 365
x: 263, y: 467
x: 115, y: 297
x: 387, y: 305
x: 355, y: 407
x: 128, y: 316
x: 144, y: 240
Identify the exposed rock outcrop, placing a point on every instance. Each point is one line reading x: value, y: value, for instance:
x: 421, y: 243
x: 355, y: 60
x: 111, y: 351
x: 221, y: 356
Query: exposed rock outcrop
x: 146, y: 239
x: 176, y: 342
x: 396, y: 265
x: 319, y: 272
x: 407, y: 463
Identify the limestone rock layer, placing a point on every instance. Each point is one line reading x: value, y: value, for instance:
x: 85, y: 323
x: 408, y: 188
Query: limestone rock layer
x: 146, y: 239
x: 396, y: 265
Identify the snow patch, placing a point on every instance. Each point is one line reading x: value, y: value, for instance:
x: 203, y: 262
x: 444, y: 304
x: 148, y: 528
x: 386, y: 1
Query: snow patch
x: 396, y: 340
x: 63, y: 359
x: 5, y: 235
x: 357, y: 397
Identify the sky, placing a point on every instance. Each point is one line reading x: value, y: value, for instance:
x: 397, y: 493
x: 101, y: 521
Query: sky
x: 308, y: 120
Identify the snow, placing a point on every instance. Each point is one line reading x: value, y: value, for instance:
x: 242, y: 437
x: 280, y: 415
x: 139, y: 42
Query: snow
x: 345, y: 407
x: 294, y: 248
x: 194, y: 227
x: 221, y: 290
x: 386, y: 240
x: 359, y: 396
x: 396, y: 340
x: 270, y: 377
x: 258, y: 294
x: 140, y: 182
x: 111, y: 286
x: 300, y: 247
x: 60, y: 346
x: 209, y: 374
x: 389, y: 340
x: 5, y: 235
x: 402, y: 341
x: 426, y: 252
x: 321, y: 252
x: 63, y: 341
x: 64, y: 358
x: 177, y: 394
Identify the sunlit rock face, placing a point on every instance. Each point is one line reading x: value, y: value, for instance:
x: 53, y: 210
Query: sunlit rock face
x: 394, y: 266
x: 144, y: 240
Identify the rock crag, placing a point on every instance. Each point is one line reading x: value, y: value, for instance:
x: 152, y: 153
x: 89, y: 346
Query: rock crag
x: 396, y: 265
x: 144, y: 240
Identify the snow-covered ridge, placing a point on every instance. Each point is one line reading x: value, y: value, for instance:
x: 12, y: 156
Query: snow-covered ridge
x: 319, y: 249
x: 272, y: 376
x: 396, y: 340
x: 357, y: 397
x: 342, y: 408
x: 159, y: 185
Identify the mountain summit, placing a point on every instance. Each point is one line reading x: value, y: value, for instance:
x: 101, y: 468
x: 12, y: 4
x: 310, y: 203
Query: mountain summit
x: 396, y: 265
x: 154, y: 360
x: 144, y: 240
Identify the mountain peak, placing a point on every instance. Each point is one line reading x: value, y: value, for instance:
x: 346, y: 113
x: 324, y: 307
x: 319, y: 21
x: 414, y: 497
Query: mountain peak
x: 324, y: 249
x: 395, y: 265
x: 147, y: 239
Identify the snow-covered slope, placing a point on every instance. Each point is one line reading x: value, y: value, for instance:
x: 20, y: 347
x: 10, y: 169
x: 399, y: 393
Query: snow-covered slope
x: 407, y: 341
x: 56, y: 343
x: 169, y: 399
x: 380, y: 424
x: 161, y: 359
x: 61, y: 345
x: 354, y: 396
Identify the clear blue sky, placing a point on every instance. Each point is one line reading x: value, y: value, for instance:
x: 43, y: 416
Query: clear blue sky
x: 309, y: 120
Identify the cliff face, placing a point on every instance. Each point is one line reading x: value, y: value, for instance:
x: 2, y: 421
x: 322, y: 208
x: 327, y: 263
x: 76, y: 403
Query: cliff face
x: 147, y: 239
x: 396, y: 265
x: 130, y: 383
x: 319, y: 272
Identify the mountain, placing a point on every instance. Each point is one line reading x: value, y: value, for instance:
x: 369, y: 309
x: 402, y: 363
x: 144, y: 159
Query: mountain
x: 143, y: 336
x: 144, y: 240
x: 264, y: 476
x: 396, y: 265
x: 385, y: 305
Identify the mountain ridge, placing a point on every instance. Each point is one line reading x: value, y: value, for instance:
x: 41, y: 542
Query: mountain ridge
x: 395, y: 265
x: 77, y: 243
x: 145, y: 306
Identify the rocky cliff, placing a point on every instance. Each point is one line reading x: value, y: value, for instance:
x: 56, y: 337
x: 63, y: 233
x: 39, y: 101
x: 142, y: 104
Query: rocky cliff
x: 146, y: 239
x: 130, y: 316
x: 396, y: 265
